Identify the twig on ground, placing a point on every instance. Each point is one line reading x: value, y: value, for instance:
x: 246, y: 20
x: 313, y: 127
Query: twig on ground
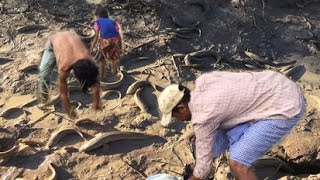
x: 126, y: 161
x: 42, y: 117
x: 158, y: 161
x: 62, y: 117
x: 181, y: 139
x: 143, y: 44
x: 175, y: 153
x: 84, y: 25
x: 173, y: 171
x: 148, y: 67
x: 175, y: 66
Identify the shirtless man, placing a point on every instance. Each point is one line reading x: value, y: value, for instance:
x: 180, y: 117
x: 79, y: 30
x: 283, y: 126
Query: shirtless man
x: 66, y: 50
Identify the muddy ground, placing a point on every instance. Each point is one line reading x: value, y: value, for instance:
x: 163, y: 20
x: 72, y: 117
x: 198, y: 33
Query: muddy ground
x: 245, y: 35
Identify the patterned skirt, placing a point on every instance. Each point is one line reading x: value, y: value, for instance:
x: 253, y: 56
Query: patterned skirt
x: 111, y: 48
x: 248, y: 142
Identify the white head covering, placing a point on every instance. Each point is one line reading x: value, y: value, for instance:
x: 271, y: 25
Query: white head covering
x: 168, y: 99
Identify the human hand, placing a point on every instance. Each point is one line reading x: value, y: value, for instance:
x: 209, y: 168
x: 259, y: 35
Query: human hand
x: 188, y: 173
x: 97, y: 107
x: 73, y: 116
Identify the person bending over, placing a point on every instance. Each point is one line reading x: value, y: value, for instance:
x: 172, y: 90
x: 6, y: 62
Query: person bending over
x: 246, y: 112
x: 66, y: 51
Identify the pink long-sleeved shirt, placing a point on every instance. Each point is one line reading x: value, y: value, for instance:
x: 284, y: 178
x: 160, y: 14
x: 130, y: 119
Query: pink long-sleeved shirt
x: 226, y: 99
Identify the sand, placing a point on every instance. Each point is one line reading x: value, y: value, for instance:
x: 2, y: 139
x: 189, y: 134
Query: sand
x: 275, y: 31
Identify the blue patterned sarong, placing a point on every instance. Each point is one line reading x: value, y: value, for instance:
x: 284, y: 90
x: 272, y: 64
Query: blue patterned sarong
x: 248, y: 142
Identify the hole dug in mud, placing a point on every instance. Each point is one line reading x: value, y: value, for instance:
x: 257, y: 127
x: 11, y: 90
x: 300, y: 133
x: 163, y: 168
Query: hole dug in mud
x: 8, y: 138
x: 12, y: 113
x: 4, y: 60
x: 31, y: 69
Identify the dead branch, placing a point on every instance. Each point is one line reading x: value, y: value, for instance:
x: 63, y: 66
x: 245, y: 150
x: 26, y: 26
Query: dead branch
x: 173, y: 171
x: 175, y: 153
x: 175, y: 66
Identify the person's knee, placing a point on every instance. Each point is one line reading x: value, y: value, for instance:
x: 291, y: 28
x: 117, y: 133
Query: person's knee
x: 241, y: 171
x: 238, y: 167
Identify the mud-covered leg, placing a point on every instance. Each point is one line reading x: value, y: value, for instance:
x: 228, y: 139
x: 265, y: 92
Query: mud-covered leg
x: 242, y: 172
x: 116, y: 51
x: 115, y: 67
x: 102, y: 64
x: 48, y: 62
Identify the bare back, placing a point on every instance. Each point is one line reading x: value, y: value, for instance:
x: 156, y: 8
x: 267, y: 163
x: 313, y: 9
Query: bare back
x: 68, y: 49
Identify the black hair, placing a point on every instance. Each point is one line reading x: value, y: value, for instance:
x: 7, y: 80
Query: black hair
x: 186, y: 96
x: 102, y: 12
x: 86, y: 72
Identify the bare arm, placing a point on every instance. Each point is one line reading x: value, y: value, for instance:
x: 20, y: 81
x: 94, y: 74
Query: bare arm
x: 205, y: 145
x: 95, y: 38
x: 64, y: 94
x: 120, y: 35
x: 96, y: 96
